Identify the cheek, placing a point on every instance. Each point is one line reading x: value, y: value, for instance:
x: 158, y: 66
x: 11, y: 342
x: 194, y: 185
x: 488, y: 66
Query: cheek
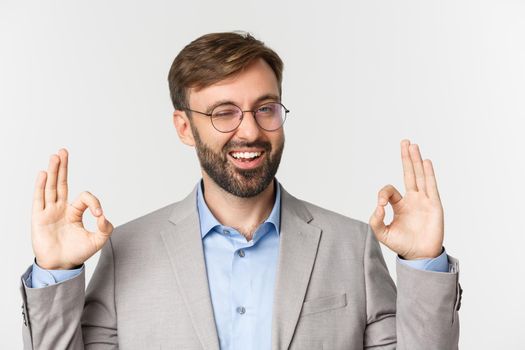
x: 277, y: 140
x: 210, y: 137
x: 217, y: 143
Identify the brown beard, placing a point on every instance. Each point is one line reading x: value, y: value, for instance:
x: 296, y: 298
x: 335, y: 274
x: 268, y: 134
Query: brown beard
x: 243, y: 183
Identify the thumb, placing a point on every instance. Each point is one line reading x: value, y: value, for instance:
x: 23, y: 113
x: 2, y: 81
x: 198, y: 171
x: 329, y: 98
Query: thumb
x: 377, y: 224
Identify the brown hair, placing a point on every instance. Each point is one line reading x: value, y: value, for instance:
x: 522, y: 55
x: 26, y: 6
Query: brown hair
x: 214, y: 57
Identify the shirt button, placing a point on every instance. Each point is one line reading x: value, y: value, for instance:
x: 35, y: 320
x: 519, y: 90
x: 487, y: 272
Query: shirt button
x: 241, y: 310
x: 241, y: 253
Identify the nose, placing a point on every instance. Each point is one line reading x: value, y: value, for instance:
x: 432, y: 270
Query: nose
x: 248, y: 129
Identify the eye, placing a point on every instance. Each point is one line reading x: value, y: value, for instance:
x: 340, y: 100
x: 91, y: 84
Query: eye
x: 222, y: 114
x: 225, y: 112
x: 266, y: 109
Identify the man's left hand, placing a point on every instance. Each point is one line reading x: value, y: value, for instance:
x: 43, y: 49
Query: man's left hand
x: 417, y: 228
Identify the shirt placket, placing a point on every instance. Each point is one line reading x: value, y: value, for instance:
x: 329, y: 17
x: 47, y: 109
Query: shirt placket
x: 242, y: 305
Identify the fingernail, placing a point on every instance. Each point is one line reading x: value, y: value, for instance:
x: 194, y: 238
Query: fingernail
x: 98, y: 211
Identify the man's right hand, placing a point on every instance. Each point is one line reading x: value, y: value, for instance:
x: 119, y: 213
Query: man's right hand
x: 59, y: 238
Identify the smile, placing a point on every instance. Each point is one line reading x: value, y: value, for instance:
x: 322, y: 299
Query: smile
x: 245, y: 155
x: 246, y: 160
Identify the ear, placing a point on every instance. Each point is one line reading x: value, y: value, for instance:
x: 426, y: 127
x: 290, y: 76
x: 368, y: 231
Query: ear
x: 183, y: 127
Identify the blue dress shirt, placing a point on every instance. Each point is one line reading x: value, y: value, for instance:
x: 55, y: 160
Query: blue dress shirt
x: 241, y: 276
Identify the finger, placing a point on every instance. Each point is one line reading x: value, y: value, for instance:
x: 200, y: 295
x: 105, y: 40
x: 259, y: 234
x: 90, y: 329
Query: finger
x: 430, y: 178
x: 86, y: 200
x: 105, y: 228
x: 62, y: 176
x: 417, y: 163
x: 388, y: 194
x: 408, y: 169
x: 377, y: 224
x: 51, y: 183
x: 38, y: 195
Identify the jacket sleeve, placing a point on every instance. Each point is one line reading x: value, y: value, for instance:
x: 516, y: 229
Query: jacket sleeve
x: 421, y: 314
x: 65, y: 316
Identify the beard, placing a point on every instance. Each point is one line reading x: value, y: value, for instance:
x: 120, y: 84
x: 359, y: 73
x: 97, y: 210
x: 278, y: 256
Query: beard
x: 243, y: 183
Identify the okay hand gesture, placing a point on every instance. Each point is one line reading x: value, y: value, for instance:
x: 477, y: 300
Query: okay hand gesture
x: 59, y: 238
x: 417, y: 228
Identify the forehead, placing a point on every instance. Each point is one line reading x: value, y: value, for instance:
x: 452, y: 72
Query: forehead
x: 255, y: 80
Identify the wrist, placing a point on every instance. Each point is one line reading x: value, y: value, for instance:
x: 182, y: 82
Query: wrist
x: 48, y: 266
x: 427, y: 255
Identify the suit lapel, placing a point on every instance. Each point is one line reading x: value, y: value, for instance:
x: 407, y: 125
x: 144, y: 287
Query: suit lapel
x: 184, y: 246
x: 297, y: 251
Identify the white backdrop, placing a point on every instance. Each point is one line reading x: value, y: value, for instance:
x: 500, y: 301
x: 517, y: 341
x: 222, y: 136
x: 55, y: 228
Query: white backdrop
x: 359, y: 77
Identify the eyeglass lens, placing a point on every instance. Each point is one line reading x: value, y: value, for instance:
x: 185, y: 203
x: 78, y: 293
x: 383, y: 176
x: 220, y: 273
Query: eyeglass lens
x: 269, y: 116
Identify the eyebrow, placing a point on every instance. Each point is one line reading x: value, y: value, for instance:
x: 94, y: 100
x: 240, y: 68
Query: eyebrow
x: 258, y: 100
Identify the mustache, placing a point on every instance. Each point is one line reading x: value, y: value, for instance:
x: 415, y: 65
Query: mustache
x: 265, y: 145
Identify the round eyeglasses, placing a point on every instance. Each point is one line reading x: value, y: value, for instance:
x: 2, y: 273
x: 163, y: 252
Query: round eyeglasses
x: 227, y: 117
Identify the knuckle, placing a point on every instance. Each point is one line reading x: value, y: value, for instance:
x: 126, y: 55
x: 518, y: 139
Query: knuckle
x: 386, y: 188
x: 87, y: 196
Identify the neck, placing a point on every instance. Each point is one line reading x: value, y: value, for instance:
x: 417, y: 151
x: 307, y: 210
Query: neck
x: 243, y: 214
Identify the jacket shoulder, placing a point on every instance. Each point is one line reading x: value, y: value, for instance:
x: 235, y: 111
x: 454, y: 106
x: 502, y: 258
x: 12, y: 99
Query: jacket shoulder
x: 340, y: 233
x: 329, y: 220
x: 142, y: 227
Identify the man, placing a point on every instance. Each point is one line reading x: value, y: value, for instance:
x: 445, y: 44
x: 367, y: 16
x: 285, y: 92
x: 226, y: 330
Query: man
x: 239, y: 263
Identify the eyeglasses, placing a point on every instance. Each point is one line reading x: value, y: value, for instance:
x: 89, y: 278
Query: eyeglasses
x: 227, y: 117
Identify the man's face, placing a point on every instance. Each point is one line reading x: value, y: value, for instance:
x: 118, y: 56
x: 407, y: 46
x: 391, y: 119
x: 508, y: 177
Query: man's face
x: 248, y: 89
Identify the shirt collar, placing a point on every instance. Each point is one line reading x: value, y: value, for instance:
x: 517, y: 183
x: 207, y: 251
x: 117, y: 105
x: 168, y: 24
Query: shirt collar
x: 208, y: 222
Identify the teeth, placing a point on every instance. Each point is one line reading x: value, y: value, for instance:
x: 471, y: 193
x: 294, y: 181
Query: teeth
x: 245, y: 155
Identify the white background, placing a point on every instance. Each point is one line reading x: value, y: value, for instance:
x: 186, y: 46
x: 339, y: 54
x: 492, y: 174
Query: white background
x: 359, y: 76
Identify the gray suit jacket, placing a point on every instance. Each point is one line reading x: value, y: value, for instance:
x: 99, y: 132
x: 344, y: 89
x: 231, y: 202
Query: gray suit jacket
x: 333, y: 290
